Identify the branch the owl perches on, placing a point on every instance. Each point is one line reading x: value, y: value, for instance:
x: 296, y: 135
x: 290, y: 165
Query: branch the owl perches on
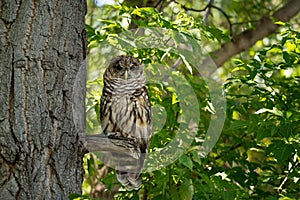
x: 103, y: 143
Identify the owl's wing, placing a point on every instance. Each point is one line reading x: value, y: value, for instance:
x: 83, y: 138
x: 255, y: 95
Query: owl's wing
x: 105, y: 109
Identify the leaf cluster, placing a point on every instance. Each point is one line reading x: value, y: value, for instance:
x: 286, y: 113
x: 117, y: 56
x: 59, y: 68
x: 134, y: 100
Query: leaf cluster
x: 257, y: 155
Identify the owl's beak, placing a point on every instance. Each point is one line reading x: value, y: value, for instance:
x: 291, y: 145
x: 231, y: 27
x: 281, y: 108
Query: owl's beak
x: 126, y: 75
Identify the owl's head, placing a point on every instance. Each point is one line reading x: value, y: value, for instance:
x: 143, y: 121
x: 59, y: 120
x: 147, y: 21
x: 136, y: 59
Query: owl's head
x: 125, y: 67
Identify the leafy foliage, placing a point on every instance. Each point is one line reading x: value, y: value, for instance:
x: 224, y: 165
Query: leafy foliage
x: 257, y: 155
x: 264, y: 107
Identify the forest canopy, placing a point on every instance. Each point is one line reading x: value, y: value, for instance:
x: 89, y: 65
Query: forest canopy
x: 223, y: 79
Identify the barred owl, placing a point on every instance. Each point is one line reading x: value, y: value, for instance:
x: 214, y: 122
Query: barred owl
x: 125, y: 111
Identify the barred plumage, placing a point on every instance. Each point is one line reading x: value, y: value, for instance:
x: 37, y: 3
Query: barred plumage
x: 125, y: 111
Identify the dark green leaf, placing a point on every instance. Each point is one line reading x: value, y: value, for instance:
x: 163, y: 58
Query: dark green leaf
x: 186, y: 161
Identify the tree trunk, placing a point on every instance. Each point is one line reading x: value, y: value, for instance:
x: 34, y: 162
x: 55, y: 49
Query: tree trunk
x: 42, y: 96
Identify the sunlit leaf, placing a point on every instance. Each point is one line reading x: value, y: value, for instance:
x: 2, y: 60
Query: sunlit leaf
x: 274, y: 111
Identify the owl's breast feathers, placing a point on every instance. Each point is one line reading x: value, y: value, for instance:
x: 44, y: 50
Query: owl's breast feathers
x: 129, y: 114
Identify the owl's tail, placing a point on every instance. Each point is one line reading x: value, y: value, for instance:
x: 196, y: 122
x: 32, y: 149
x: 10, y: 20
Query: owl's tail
x: 129, y: 180
x: 129, y: 171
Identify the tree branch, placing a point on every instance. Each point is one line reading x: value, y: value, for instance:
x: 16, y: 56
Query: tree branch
x: 101, y: 142
x: 248, y: 38
x: 208, y: 11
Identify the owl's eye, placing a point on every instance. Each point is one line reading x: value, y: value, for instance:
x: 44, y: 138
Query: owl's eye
x: 133, y: 67
x: 118, y: 67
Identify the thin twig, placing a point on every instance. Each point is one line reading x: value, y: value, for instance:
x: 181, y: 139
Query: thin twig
x: 208, y: 8
x: 227, y: 18
x: 190, y: 9
x: 286, y: 178
x: 208, y: 12
x: 157, y: 4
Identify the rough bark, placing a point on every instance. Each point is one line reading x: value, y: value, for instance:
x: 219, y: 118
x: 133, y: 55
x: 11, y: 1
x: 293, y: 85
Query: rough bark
x: 42, y: 53
x: 102, y: 143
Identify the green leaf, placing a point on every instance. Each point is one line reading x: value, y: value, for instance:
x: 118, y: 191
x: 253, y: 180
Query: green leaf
x: 280, y: 23
x: 262, y: 133
x: 79, y: 197
x: 145, y: 12
x: 218, y: 34
x: 196, y: 157
x: 187, y: 64
x: 280, y: 150
x: 186, y: 161
x: 274, y: 111
x: 186, y: 189
x: 109, y: 180
x: 288, y: 58
x: 238, y: 124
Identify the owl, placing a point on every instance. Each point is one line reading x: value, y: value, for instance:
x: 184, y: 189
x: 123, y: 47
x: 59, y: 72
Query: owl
x: 125, y: 112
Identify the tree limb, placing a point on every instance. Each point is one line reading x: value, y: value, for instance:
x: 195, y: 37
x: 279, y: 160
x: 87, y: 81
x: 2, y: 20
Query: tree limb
x: 248, y: 38
x: 101, y: 142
